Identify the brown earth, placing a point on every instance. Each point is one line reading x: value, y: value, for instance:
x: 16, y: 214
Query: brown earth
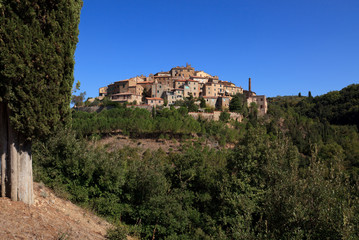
x: 49, y: 218
x: 119, y: 141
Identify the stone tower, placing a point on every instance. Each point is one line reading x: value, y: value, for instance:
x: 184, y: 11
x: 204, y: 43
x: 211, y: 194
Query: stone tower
x: 249, y: 85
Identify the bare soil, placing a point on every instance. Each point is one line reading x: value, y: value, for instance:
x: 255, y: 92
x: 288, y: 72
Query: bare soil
x: 172, y: 145
x: 49, y: 218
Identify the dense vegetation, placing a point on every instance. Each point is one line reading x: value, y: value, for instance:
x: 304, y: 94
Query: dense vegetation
x: 137, y: 122
x: 37, y: 46
x: 290, y: 176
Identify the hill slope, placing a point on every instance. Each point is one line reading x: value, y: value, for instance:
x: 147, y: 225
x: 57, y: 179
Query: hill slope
x: 49, y: 218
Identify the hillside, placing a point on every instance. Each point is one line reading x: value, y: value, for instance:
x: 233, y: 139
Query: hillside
x: 49, y: 218
x: 286, y: 176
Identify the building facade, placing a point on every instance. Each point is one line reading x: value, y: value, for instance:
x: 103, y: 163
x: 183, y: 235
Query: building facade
x: 177, y: 84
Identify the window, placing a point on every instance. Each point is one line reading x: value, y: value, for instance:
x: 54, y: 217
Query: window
x: 160, y: 86
x: 261, y: 106
x: 151, y: 101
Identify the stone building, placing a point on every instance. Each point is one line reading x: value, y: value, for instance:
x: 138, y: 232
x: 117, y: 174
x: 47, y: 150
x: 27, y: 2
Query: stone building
x: 260, y: 101
x: 127, y: 97
x: 210, y: 101
x: 179, y: 83
x: 154, y: 101
x: 184, y: 72
x: 223, y: 102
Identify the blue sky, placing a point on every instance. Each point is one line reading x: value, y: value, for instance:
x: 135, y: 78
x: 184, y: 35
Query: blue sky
x: 285, y: 46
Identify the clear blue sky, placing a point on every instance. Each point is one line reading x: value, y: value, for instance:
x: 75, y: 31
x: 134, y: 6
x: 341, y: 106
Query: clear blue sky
x: 285, y: 46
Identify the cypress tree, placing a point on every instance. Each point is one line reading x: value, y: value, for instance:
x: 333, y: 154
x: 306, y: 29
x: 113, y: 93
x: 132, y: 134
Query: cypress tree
x: 37, y: 45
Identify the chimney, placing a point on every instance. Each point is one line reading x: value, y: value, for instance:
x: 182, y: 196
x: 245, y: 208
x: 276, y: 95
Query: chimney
x: 250, y: 85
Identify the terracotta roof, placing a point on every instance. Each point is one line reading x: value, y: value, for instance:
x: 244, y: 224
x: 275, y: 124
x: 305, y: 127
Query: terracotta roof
x: 145, y: 82
x: 162, y: 72
x: 122, y: 94
x: 180, y: 80
x: 199, y: 77
x: 122, y: 81
x: 154, y: 98
x: 189, y: 80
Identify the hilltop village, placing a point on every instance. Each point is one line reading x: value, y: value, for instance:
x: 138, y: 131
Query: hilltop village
x: 166, y: 88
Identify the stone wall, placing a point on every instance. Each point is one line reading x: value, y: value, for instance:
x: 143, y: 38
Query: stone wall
x: 215, y: 115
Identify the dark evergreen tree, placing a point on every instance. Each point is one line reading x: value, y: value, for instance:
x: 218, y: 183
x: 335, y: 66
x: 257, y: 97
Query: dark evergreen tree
x: 37, y: 46
x: 203, y: 103
x: 310, y: 94
x: 239, y: 104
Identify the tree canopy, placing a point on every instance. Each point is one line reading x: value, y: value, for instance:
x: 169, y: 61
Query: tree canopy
x: 37, y: 45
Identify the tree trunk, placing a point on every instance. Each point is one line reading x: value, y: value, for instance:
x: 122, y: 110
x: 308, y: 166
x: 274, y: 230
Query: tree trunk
x: 16, y: 161
x: 3, y: 148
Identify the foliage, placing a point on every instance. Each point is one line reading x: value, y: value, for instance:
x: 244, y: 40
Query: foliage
x: 137, y: 122
x: 37, y: 45
x: 78, y: 100
x: 288, y: 177
x: 224, y: 117
x: 238, y: 104
x: 203, y: 102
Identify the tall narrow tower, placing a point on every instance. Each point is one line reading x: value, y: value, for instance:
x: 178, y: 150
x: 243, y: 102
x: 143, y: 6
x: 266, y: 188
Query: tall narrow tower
x: 249, y: 85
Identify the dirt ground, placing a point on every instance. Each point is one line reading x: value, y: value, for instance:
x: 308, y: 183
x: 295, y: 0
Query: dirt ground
x: 49, y: 218
x: 119, y: 141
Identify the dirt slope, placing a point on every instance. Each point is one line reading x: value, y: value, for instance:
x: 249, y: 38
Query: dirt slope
x: 49, y: 218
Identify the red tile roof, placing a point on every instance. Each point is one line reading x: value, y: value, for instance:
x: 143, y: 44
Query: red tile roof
x: 145, y: 82
x: 122, y: 81
x: 122, y: 94
x: 154, y: 98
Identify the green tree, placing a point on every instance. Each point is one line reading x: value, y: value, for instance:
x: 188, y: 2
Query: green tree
x: 37, y: 46
x: 189, y: 102
x: 78, y: 100
x: 224, y: 117
x: 203, y: 103
x: 238, y: 103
